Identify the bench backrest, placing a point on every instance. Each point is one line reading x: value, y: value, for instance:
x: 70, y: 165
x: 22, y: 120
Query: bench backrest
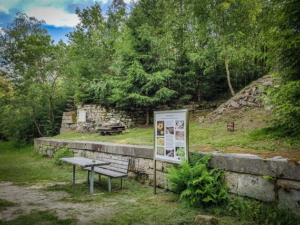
x: 116, y: 164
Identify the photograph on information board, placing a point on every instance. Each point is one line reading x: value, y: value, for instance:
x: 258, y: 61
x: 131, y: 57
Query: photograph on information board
x: 171, y: 135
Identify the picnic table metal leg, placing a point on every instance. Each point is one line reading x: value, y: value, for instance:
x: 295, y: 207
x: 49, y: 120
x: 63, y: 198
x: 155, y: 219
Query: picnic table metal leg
x: 92, y: 181
x: 109, y: 184
x: 73, y: 175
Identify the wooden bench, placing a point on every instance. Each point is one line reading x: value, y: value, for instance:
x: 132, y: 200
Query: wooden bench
x: 116, y: 169
x: 110, y: 129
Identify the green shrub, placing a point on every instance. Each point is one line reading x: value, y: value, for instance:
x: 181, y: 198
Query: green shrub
x: 196, y: 184
x: 260, y: 212
x: 62, y: 153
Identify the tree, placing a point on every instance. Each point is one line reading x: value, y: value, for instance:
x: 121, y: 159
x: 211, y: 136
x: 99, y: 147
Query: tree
x: 143, y: 74
x: 225, y: 35
x: 284, y: 45
x: 90, y: 52
x: 27, y: 63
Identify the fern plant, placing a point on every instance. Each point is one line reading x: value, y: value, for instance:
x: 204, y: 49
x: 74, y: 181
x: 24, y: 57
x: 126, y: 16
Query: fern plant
x: 196, y: 184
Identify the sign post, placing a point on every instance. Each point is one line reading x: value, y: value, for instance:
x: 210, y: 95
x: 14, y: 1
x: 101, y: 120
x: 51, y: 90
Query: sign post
x: 171, y: 137
x: 230, y: 126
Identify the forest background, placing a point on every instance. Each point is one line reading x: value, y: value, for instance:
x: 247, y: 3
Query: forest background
x: 149, y: 53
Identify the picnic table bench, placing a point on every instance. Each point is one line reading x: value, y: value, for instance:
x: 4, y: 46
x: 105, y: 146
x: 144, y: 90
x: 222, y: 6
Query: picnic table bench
x: 85, y: 162
x: 117, y: 168
x: 110, y: 129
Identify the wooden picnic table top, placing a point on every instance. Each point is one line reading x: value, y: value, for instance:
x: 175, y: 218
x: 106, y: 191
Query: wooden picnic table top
x: 84, y: 162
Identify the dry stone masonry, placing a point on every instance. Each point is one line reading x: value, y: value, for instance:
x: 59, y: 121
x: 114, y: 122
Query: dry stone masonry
x: 254, y: 95
x: 246, y: 174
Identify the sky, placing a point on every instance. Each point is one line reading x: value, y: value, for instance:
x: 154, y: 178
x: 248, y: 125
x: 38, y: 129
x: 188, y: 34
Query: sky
x: 59, y: 15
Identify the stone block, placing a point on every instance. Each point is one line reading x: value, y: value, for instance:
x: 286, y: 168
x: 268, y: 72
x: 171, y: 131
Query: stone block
x: 127, y: 150
x: 231, y: 179
x: 77, y: 145
x: 161, y: 180
x: 206, y: 220
x: 67, y: 118
x: 159, y: 165
x: 66, y: 121
x: 288, y: 184
x: 289, y: 200
x: 255, y: 187
x: 143, y: 152
x: 99, y: 147
x: 252, y: 164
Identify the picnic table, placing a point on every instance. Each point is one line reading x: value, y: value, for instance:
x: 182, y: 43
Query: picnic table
x: 110, y: 129
x: 85, y: 162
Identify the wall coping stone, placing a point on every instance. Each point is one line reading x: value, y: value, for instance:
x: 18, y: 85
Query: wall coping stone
x: 276, y: 167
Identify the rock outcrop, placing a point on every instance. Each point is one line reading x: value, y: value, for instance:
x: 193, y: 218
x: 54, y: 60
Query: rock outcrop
x: 254, y: 95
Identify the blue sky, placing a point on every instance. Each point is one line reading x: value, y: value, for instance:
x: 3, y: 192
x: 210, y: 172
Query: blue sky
x: 59, y: 15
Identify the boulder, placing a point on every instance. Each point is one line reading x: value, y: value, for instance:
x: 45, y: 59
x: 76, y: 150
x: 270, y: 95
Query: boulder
x: 206, y: 220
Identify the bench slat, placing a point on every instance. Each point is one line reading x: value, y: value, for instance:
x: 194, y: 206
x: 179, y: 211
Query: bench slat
x: 107, y: 172
x: 113, y: 168
x: 115, y: 161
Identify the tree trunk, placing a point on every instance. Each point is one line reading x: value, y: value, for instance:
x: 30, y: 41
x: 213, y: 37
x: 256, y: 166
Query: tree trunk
x: 38, y: 127
x: 228, y: 76
x: 199, y: 95
x: 147, y: 116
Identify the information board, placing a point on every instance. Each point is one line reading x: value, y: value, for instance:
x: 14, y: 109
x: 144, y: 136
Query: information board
x: 82, y: 116
x: 171, y: 135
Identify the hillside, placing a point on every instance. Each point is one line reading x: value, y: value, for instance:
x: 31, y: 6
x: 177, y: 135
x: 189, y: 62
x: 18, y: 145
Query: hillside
x: 209, y: 132
x: 250, y: 112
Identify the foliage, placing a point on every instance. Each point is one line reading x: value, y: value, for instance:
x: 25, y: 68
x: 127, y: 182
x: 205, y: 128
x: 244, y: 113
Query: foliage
x: 157, y: 52
x: 286, y: 103
x: 284, y: 57
x: 62, y: 153
x: 260, y: 212
x: 269, y: 178
x: 197, y: 184
x: 30, y: 62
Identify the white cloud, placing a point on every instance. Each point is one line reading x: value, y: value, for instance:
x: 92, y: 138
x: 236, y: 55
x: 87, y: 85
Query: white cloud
x: 103, y: 1
x: 1, y: 31
x: 129, y: 1
x: 3, y: 9
x: 54, y: 17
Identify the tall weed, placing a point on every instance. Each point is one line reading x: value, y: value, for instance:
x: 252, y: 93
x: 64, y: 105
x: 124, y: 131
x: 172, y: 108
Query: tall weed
x: 62, y: 153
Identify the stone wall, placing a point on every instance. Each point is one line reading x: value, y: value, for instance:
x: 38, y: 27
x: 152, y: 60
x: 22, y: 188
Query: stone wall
x: 97, y: 115
x: 246, y: 174
x: 68, y: 121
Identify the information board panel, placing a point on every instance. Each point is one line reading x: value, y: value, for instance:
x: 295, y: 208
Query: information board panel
x: 82, y: 116
x: 171, y: 135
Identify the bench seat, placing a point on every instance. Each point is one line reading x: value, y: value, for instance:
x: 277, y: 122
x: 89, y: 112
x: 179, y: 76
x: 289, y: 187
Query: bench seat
x: 116, y: 169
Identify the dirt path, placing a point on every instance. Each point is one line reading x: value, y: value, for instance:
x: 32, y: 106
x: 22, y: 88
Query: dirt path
x: 34, y: 198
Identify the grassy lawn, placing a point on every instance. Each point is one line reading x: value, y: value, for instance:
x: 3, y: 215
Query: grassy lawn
x: 248, y: 137
x: 135, y: 204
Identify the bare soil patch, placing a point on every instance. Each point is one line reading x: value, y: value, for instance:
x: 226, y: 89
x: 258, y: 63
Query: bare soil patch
x: 35, y: 198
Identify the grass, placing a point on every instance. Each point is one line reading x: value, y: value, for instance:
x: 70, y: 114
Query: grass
x: 250, y: 136
x: 135, y: 204
x: 22, y: 165
x: 37, y: 218
x: 4, y: 204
